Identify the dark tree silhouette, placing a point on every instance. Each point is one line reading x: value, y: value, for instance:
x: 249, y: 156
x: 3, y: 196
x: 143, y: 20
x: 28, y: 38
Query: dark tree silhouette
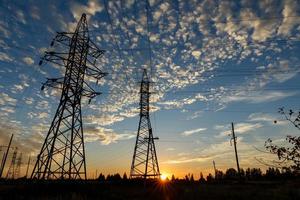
x: 116, y: 177
x: 101, y: 177
x: 256, y: 173
x: 192, y: 178
x: 272, y: 173
x: 242, y: 172
x: 125, y: 176
x: 291, y: 152
x: 219, y: 175
x: 187, y: 178
x: 173, y: 178
x: 209, y: 178
x: 231, y: 173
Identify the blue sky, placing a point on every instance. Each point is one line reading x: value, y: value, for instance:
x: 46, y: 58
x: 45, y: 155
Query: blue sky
x: 211, y: 63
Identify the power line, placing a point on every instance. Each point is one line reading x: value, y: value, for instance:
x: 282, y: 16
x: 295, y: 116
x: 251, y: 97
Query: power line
x: 148, y: 38
x: 162, y: 48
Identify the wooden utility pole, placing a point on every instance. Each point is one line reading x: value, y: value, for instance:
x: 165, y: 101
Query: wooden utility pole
x: 5, y: 156
x: 235, y: 150
x: 214, y: 164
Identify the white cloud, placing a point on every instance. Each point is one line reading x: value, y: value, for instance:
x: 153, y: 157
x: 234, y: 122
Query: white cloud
x: 18, y: 87
x: 29, y: 100
x: 28, y: 60
x: 103, y: 119
x: 104, y: 135
x: 195, y: 115
x: 261, y: 117
x: 5, y: 99
x: 240, y: 128
x: 187, y: 160
x: 283, y: 71
x: 258, y: 97
x: 289, y: 21
x: 5, y: 31
x: 170, y: 149
x: 42, y: 115
x: 35, y: 13
x: 179, y: 103
x: 20, y: 16
x: 196, y: 54
x: 8, y: 110
x: 93, y: 6
x: 190, y: 132
x: 5, y: 57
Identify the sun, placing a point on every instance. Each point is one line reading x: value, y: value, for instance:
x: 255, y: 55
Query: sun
x: 163, y: 177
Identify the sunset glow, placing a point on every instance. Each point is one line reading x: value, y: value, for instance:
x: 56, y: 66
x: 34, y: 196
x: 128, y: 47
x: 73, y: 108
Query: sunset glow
x: 163, y: 177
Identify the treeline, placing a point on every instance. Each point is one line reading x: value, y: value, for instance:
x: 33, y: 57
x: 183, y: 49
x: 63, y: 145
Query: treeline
x: 231, y: 174
x: 250, y: 174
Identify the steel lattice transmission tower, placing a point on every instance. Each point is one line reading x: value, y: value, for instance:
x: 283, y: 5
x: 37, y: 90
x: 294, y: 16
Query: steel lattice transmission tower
x: 18, y: 166
x: 144, y: 162
x: 12, y: 167
x: 62, y: 155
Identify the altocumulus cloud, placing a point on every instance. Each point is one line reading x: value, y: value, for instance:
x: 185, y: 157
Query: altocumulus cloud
x: 28, y: 60
x: 104, y: 135
x: 190, y: 132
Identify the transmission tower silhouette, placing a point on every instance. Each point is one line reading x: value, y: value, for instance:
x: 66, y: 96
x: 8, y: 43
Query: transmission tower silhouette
x: 62, y: 155
x: 18, y: 166
x: 12, y: 167
x: 144, y: 161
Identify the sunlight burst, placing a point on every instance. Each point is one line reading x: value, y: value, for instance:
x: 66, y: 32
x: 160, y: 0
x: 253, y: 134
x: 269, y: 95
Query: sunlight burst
x: 163, y: 177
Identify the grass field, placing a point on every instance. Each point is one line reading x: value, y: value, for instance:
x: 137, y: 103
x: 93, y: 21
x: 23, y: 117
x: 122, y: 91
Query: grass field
x: 94, y: 190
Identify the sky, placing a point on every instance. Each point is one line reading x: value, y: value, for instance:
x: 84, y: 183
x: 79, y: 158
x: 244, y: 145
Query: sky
x: 211, y: 62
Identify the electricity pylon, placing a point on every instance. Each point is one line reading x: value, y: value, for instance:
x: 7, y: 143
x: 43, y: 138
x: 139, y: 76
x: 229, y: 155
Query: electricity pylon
x: 18, y: 166
x: 144, y: 162
x: 62, y: 155
x: 12, y: 167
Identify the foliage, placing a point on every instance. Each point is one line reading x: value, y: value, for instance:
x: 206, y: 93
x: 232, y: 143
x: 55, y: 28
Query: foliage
x: 209, y: 178
x: 101, y: 177
x: 254, y: 173
x: 291, y: 152
x: 231, y: 174
x: 201, y: 180
x: 219, y: 174
x: 173, y: 178
x: 125, y: 176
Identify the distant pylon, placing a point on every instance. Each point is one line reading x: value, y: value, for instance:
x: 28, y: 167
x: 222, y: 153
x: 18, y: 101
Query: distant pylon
x: 144, y: 162
x: 18, y: 166
x: 28, y: 163
x: 62, y: 155
x: 12, y: 167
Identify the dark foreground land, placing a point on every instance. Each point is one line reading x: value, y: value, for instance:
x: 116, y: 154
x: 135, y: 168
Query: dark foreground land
x: 288, y: 190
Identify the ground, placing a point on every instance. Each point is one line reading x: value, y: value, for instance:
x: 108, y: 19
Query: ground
x: 288, y: 190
